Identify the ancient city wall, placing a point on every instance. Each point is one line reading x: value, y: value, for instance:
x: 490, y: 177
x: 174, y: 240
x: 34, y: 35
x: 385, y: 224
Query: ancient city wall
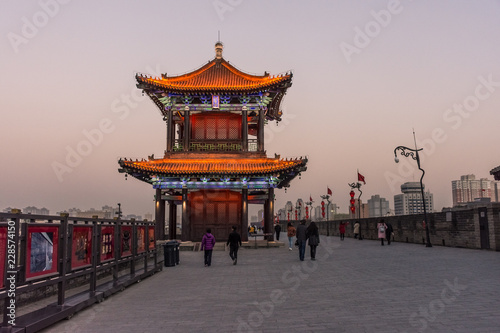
x: 460, y: 228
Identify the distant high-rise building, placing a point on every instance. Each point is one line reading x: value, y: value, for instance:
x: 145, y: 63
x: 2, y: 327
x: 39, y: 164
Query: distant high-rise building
x: 34, y: 210
x: 470, y: 189
x: 361, y: 211
x: 132, y: 216
x: 410, y: 201
x: 377, y: 206
x: 318, y: 216
x: 107, y: 212
x: 288, y: 211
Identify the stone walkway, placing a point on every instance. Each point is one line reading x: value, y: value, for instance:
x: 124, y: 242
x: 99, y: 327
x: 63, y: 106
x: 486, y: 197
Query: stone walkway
x: 353, y: 286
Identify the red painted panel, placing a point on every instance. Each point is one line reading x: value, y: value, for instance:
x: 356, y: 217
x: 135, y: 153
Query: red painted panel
x: 42, y: 251
x: 3, y: 251
x: 151, y: 237
x: 81, y: 246
x: 141, y: 239
x: 126, y: 237
x: 107, y: 243
x: 216, y: 126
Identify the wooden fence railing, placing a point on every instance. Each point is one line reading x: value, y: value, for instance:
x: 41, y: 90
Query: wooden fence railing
x: 37, y: 251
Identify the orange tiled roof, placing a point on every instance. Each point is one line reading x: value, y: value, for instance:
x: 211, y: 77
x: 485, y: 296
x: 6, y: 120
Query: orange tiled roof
x: 217, y: 75
x: 211, y: 166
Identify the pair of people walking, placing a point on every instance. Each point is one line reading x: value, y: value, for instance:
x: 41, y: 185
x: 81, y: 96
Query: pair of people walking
x: 304, y: 234
x: 384, y: 232
x: 208, y: 243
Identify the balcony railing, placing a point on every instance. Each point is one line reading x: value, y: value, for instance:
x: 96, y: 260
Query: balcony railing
x: 215, y: 145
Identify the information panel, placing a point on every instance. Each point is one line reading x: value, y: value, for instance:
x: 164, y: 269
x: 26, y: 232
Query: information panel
x: 3, y: 251
x: 107, y: 243
x: 141, y: 239
x: 81, y: 247
x: 42, y: 251
x: 126, y: 235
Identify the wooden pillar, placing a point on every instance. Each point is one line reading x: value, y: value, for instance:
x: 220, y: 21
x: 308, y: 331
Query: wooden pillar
x: 187, y: 131
x: 172, y: 219
x: 159, y: 216
x: 244, y: 129
x: 260, y: 131
x: 269, y: 214
x: 186, y: 223
x: 170, y: 131
x: 244, y: 215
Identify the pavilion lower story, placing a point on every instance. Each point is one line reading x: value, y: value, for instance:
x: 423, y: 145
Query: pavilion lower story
x: 217, y: 209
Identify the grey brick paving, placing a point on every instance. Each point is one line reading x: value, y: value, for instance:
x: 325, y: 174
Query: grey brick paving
x: 353, y: 286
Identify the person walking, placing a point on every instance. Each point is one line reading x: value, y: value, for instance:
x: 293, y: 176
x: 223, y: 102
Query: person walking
x: 290, y: 231
x: 312, y: 234
x: 388, y: 233
x: 207, y: 244
x: 356, y: 229
x: 277, y: 230
x: 301, y: 238
x: 381, y: 227
x: 234, y: 242
x: 342, y: 230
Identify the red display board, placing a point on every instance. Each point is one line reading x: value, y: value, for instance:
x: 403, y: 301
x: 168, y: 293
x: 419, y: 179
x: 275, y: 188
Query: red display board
x: 3, y: 252
x: 107, y: 243
x: 81, y: 246
x: 151, y: 237
x: 141, y: 239
x: 126, y: 237
x: 42, y: 251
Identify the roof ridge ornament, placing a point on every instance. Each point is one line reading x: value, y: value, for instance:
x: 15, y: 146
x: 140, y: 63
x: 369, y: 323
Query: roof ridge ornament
x: 218, y: 49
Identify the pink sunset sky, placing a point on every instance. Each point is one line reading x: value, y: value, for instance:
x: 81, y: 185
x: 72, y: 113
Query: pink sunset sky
x: 366, y: 73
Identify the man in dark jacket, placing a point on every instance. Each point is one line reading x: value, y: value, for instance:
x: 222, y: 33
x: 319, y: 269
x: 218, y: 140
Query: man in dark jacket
x: 388, y: 233
x: 301, y: 238
x: 277, y: 229
x: 234, y: 241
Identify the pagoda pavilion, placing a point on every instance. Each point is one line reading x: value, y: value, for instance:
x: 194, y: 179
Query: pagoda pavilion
x: 215, y: 164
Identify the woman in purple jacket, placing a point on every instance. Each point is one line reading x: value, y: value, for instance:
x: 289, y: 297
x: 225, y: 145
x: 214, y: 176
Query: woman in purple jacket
x: 207, y: 244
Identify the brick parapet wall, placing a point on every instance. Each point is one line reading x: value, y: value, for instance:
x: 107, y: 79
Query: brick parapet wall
x: 459, y: 228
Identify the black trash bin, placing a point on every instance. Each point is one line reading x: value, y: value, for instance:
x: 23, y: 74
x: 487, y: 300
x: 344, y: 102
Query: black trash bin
x: 169, y: 253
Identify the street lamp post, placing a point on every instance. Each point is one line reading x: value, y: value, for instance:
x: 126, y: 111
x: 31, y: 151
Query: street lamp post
x: 289, y: 210
x: 358, y: 187
x: 309, y: 211
x: 119, y: 212
x: 297, y: 209
x: 327, y: 198
x: 405, y: 151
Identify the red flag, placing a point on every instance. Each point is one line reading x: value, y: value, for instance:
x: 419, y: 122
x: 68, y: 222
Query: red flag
x: 329, y: 192
x: 361, y: 178
x: 310, y: 198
